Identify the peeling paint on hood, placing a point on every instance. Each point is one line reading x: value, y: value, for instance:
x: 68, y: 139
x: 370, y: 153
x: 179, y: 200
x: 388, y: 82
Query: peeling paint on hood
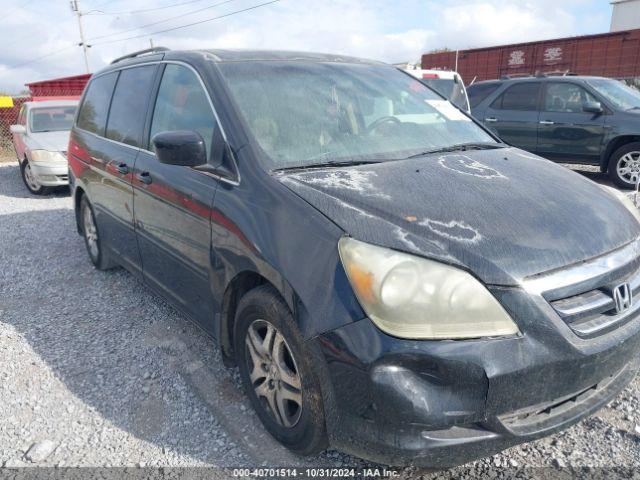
x: 502, y: 214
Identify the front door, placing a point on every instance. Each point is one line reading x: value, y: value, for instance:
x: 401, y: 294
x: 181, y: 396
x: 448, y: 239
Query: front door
x: 173, y: 203
x: 566, y: 131
x: 513, y: 116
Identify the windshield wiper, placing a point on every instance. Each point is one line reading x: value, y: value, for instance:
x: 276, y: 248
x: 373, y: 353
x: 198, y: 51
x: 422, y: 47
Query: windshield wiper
x: 460, y: 147
x: 335, y: 163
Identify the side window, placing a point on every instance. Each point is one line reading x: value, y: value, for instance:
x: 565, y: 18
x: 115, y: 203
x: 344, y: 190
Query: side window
x: 129, y: 105
x: 182, y: 104
x: 521, y: 96
x: 477, y: 93
x: 95, y: 107
x: 566, y: 97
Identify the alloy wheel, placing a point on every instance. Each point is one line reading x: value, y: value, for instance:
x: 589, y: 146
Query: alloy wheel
x: 273, y: 373
x: 90, y: 233
x: 30, y: 178
x: 628, y: 167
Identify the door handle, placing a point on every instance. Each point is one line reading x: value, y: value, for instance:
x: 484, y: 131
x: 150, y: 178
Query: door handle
x: 122, y: 168
x: 491, y: 119
x: 144, y: 177
x: 546, y: 122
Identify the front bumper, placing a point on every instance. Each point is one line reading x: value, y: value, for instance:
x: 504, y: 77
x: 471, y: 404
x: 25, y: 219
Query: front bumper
x: 443, y: 403
x: 51, y: 174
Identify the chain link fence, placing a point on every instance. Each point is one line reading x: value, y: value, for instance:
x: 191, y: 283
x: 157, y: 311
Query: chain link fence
x: 9, y: 116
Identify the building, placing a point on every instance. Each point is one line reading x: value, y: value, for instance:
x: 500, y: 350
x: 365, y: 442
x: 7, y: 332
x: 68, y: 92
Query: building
x: 626, y: 15
x: 59, y: 88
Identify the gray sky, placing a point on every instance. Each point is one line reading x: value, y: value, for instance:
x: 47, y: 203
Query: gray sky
x: 39, y: 37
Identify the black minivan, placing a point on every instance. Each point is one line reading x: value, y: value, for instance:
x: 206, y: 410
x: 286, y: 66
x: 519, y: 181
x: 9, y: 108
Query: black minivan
x: 389, y: 278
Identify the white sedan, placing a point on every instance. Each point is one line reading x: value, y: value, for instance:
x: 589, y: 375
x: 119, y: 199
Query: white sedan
x: 40, y: 138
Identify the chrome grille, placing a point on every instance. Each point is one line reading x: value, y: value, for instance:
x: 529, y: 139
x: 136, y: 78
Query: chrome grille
x: 583, y: 295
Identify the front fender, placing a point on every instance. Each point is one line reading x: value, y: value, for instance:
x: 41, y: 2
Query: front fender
x: 261, y: 226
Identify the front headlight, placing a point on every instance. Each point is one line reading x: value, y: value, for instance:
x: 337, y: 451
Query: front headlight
x: 625, y: 200
x: 412, y: 297
x: 45, y: 156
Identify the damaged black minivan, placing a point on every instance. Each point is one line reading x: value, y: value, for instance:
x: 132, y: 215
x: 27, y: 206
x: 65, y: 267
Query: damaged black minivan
x: 390, y: 278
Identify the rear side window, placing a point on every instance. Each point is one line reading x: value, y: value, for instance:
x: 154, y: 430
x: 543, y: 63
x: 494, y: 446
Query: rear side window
x: 95, y: 107
x: 129, y: 105
x: 477, y: 93
x: 522, y: 96
x: 182, y: 104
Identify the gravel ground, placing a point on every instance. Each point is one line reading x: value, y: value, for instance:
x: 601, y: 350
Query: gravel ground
x: 95, y: 370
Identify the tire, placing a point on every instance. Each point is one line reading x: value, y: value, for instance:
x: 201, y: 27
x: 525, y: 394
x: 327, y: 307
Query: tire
x: 624, y: 165
x: 299, y: 423
x: 29, y: 180
x: 91, y: 235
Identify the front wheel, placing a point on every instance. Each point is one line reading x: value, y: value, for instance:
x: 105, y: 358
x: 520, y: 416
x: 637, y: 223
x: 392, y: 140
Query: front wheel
x: 277, y: 373
x: 624, y: 165
x: 30, y: 180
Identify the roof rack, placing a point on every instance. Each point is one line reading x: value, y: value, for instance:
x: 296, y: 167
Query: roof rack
x: 539, y: 74
x: 139, y: 53
x: 514, y: 75
x: 557, y: 73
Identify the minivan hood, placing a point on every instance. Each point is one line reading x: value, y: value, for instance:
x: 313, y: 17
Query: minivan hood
x: 503, y: 214
x: 51, y: 141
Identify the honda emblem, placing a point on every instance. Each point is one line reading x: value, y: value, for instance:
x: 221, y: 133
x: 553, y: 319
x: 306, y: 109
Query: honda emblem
x: 622, y: 297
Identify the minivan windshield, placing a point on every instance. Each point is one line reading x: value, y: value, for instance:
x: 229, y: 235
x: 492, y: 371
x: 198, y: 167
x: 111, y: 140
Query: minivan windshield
x: 51, y: 119
x: 620, y: 95
x: 310, y: 113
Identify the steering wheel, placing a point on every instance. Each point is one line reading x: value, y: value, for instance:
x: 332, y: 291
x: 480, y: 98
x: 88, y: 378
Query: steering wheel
x: 376, y: 123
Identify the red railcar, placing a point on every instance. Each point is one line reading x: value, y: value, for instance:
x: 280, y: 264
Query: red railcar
x: 615, y: 55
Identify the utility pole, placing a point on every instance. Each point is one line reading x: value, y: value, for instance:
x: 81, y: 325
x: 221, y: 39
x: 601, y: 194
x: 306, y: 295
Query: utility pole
x: 75, y: 7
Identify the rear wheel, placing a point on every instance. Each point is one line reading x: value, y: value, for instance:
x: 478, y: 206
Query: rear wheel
x: 30, y: 180
x: 277, y: 373
x: 624, y: 165
x: 91, y: 236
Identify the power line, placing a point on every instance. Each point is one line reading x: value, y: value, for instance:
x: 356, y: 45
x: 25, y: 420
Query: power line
x: 41, y: 57
x: 159, y: 21
x: 189, y: 24
x: 144, y: 10
x: 58, y: 51
x: 53, y: 53
x: 103, y: 3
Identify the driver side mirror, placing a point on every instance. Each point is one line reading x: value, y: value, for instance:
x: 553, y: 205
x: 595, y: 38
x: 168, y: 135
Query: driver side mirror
x: 225, y: 164
x: 181, y: 147
x: 592, y: 107
x: 17, y: 129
